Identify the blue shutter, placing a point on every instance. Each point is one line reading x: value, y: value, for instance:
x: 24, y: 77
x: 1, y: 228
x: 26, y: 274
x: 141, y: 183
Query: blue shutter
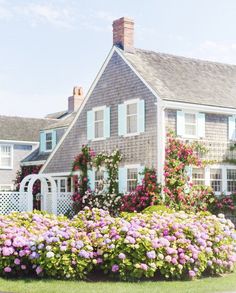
x: 180, y: 123
x: 42, y: 142
x: 122, y: 180
x: 140, y: 175
x: 141, y: 116
x: 122, y: 119
x: 232, y: 135
x: 90, y: 125
x: 201, y: 124
x: 105, y: 180
x: 107, y: 122
x: 91, y: 178
x: 189, y: 170
x: 54, y: 139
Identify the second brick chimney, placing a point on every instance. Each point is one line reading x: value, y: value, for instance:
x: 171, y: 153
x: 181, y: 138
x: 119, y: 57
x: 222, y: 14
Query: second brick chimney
x: 123, y: 34
x: 76, y: 100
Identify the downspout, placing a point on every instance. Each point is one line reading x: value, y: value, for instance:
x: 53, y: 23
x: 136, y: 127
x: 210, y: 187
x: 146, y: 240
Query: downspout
x: 161, y: 141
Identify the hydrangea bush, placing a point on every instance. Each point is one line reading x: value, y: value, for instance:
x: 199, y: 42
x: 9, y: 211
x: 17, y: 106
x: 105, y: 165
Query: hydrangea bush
x: 167, y: 244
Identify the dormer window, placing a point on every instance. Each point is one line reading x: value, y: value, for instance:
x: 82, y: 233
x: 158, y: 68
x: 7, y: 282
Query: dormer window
x: 48, y: 141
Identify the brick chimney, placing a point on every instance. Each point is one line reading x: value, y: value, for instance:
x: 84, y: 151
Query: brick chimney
x: 123, y: 34
x: 76, y: 100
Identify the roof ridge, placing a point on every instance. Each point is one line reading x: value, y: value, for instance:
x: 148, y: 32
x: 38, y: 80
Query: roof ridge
x: 29, y: 118
x: 184, y: 57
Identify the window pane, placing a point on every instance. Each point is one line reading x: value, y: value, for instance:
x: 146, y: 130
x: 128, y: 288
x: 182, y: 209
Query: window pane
x: 48, y: 145
x: 99, y: 115
x: 5, y: 156
x: 49, y: 136
x: 231, y: 180
x: 132, y: 124
x: 63, y: 185
x: 198, y: 176
x: 99, y: 180
x: 190, y: 129
x: 132, y: 178
x: 132, y: 109
x: 190, y: 118
x: 216, y: 179
x: 99, y: 129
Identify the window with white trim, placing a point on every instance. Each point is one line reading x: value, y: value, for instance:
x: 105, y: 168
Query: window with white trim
x: 99, y: 123
x: 198, y: 176
x: 231, y: 180
x: 99, y: 180
x: 132, y: 118
x: 190, y: 124
x: 48, y: 141
x: 6, y: 156
x: 216, y: 179
x: 132, y: 179
x: 63, y: 185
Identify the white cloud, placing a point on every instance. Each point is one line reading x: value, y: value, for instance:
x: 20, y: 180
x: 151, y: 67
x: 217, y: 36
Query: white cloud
x: 5, y: 11
x: 48, y: 13
x: 215, y: 51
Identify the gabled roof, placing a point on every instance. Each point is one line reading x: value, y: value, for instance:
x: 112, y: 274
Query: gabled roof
x: 61, y: 123
x: 57, y: 115
x: 188, y: 80
x: 36, y: 156
x: 21, y: 128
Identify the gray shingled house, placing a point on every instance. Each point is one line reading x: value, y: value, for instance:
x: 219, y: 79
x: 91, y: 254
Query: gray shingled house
x: 18, y: 138
x: 137, y: 96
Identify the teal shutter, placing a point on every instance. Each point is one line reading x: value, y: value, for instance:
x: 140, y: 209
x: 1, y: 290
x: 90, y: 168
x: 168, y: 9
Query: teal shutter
x: 189, y: 170
x: 90, y: 125
x: 141, y: 116
x: 91, y: 178
x: 105, y: 180
x: 122, y: 180
x: 231, y: 128
x: 54, y: 139
x: 140, y: 175
x: 107, y: 126
x: 42, y: 142
x: 180, y: 123
x: 201, y: 124
x: 122, y: 119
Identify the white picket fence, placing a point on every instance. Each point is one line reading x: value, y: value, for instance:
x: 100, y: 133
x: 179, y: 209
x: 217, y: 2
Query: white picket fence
x: 19, y: 201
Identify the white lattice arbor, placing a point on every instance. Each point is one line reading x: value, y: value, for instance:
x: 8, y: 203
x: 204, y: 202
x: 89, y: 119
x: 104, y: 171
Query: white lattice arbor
x: 49, y: 203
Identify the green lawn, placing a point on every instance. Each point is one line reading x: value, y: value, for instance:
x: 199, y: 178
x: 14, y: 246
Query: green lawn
x: 206, y: 285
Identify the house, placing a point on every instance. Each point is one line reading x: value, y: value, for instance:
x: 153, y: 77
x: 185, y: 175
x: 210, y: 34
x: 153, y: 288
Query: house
x: 137, y: 96
x: 50, y: 134
x: 18, y: 138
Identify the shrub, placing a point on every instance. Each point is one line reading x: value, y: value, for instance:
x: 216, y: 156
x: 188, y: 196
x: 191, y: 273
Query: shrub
x: 158, y: 209
x: 171, y: 245
x: 144, y: 195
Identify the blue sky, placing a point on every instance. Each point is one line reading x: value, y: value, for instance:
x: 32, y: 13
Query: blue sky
x: 47, y: 47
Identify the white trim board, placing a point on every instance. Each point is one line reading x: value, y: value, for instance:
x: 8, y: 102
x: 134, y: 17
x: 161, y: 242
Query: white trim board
x: 33, y: 163
x: 18, y: 142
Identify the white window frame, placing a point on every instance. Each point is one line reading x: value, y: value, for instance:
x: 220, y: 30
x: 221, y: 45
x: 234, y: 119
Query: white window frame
x: 196, y: 118
x: 126, y: 103
x: 224, y: 169
x: 229, y: 168
x: 133, y: 166
x: 11, y: 156
x: 95, y: 109
x: 2, y: 187
x: 58, y: 184
x: 48, y: 150
x: 200, y: 179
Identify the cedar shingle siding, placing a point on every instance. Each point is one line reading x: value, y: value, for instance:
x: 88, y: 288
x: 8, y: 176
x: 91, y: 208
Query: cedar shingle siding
x: 117, y: 84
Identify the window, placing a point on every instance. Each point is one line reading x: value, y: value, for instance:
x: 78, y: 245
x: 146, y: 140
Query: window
x: 132, y: 126
x: 63, y: 185
x: 99, y: 123
x: 48, y: 141
x: 198, y: 176
x: 231, y: 180
x: 99, y: 180
x: 132, y: 179
x: 6, y: 156
x: 216, y: 179
x: 190, y: 124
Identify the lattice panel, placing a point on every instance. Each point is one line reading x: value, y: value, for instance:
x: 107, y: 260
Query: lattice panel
x: 64, y: 203
x: 12, y: 201
x: 48, y: 207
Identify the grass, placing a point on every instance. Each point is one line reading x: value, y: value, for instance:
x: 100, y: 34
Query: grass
x: 226, y: 283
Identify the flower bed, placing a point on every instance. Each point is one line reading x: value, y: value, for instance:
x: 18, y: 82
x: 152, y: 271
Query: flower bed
x: 170, y: 245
